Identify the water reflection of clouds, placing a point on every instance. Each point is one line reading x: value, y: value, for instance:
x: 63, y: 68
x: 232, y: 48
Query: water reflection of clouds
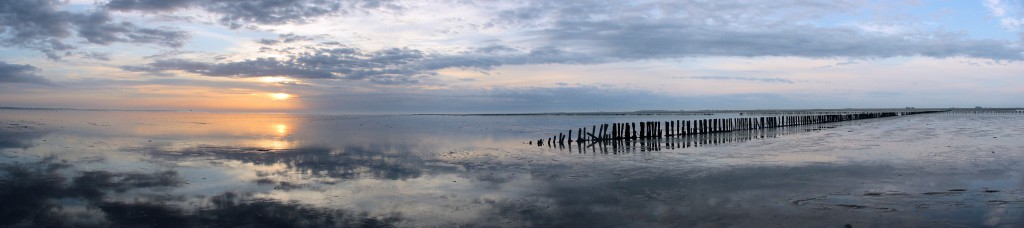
x: 332, y: 171
x: 19, y: 140
x: 46, y: 197
x: 379, y: 180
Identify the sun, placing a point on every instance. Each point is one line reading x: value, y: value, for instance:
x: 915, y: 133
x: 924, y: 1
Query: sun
x: 280, y: 96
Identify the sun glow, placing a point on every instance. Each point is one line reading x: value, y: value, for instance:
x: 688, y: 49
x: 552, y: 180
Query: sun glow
x: 281, y: 129
x: 280, y: 96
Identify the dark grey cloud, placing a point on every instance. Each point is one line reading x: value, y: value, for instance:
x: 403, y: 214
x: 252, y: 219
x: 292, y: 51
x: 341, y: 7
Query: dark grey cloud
x: 40, y: 25
x: 99, y: 28
x: 20, y: 73
x: 388, y: 66
x: 150, y: 5
x: 249, y: 68
x: 236, y: 14
x: 728, y: 78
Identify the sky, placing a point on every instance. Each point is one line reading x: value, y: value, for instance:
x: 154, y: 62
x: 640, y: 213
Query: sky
x: 480, y: 56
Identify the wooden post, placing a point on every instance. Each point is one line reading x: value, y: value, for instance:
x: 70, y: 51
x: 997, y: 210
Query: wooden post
x: 615, y: 131
x: 633, y: 126
x: 593, y: 132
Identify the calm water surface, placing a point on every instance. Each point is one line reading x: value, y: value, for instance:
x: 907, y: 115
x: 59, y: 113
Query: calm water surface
x: 91, y: 168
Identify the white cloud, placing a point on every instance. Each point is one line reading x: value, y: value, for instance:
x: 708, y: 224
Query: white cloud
x: 1009, y: 13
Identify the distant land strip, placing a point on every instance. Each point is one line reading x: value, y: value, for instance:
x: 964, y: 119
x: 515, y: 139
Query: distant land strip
x: 741, y: 111
x: 86, y: 109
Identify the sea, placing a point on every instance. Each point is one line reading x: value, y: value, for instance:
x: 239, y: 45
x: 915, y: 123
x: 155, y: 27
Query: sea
x: 96, y: 168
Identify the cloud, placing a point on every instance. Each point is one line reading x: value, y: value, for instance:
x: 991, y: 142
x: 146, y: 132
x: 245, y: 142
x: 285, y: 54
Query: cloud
x: 683, y: 29
x: 587, y: 33
x: 727, y: 78
x: 39, y: 25
x: 285, y: 38
x: 388, y: 66
x: 249, y: 68
x: 17, y: 73
x: 678, y: 39
x: 236, y: 14
x: 150, y: 5
x: 95, y: 55
x: 1009, y: 12
x: 98, y: 28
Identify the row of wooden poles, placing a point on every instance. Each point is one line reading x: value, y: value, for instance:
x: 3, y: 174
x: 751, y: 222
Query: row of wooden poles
x: 627, y: 146
x: 659, y: 129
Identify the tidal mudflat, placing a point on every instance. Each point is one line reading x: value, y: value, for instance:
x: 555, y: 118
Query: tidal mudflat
x: 98, y: 168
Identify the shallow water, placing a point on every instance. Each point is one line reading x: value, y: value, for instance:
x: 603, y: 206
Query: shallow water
x: 95, y: 168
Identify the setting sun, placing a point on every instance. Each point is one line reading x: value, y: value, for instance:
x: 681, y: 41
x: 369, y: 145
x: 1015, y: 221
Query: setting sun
x: 280, y: 96
x: 281, y: 129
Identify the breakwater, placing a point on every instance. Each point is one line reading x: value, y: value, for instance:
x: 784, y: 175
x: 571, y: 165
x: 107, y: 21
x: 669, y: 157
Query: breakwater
x: 681, y: 128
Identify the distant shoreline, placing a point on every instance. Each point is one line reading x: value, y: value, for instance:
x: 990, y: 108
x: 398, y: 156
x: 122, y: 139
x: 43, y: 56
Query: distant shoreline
x: 87, y: 109
x: 742, y: 111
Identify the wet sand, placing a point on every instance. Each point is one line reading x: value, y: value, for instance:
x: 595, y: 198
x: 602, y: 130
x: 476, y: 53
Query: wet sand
x: 98, y: 168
